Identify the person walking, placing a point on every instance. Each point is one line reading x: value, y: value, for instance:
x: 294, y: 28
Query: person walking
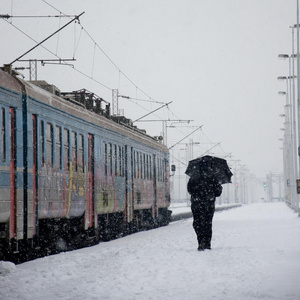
x: 203, y: 193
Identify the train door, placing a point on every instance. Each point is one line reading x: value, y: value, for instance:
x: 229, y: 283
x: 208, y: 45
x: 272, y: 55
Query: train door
x: 89, y: 216
x: 13, y: 195
x: 128, y: 184
x: 154, y: 213
x: 34, y: 176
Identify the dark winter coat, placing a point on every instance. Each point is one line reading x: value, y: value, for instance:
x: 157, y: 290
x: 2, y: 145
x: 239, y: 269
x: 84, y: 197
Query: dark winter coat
x: 204, y: 189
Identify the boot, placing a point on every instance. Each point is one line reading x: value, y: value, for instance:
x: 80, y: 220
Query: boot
x: 201, y: 246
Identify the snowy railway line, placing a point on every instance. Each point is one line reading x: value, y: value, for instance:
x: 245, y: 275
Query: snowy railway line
x: 255, y: 255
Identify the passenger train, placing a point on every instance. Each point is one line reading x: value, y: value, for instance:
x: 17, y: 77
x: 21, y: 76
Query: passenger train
x: 71, y: 174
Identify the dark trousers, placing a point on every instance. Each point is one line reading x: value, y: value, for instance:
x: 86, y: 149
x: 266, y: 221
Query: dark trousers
x: 203, y: 212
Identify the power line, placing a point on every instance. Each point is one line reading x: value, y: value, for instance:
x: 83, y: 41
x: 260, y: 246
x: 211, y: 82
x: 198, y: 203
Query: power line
x: 47, y: 38
x: 138, y: 99
x: 7, y: 16
x: 96, y: 45
x: 67, y: 64
x: 166, y: 104
x: 105, y: 54
x: 186, y: 137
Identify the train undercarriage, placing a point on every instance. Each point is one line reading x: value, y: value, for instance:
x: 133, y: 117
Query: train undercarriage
x: 60, y: 235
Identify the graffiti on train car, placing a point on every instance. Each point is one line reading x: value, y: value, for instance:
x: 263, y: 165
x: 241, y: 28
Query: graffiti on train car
x: 61, y: 194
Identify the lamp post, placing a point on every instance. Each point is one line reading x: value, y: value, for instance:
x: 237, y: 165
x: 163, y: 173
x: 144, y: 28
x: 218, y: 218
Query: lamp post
x: 289, y: 147
x: 298, y: 92
x: 292, y: 101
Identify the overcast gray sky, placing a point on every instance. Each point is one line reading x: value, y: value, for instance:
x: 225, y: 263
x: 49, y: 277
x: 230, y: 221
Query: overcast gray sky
x: 216, y: 60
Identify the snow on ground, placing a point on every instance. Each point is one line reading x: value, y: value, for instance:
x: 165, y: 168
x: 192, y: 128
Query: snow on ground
x: 255, y: 255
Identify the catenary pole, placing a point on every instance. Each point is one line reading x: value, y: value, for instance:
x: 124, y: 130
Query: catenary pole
x: 298, y: 93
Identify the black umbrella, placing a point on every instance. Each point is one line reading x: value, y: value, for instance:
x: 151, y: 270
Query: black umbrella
x: 207, y: 166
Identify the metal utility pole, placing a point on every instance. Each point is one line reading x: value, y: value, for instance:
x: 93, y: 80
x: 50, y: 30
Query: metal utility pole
x: 33, y: 70
x: 298, y: 95
x: 115, y: 102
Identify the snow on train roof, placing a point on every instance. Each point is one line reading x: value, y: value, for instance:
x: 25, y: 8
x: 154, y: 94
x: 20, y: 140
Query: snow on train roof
x: 10, y: 82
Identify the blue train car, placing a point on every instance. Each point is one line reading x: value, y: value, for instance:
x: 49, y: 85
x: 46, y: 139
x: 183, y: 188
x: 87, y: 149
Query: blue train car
x: 12, y: 181
x: 71, y: 174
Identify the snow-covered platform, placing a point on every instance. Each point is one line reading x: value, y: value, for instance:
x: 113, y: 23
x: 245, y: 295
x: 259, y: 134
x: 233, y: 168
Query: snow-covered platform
x: 255, y: 255
x: 183, y: 210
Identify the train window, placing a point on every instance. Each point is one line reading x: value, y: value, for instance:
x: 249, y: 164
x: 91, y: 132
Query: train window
x: 141, y: 166
x: 138, y: 197
x: 110, y: 158
x: 49, y: 145
x: 148, y: 164
x: 119, y: 161
x: 115, y: 160
x: 34, y: 148
x: 12, y: 135
x: 145, y: 166
x: 150, y: 167
x: 153, y: 167
x: 162, y: 169
x: 158, y: 169
x: 105, y: 198
x: 138, y: 164
x: 80, y: 153
x: 90, y: 161
x: 42, y: 142
x: 135, y: 164
x: 58, y: 147
x: 66, y: 149
x: 3, y: 135
x: 74, y: 150
x: 105, y: 157
x: 123, y: 162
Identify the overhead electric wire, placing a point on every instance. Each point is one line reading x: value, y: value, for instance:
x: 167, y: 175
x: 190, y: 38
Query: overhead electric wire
x: 7, y: 16
x: 51, y: 52
x: 105, y: 54
x: 143, y: 100
x: 47, y: 38
x: 185, y: 137
x: 31, y: 38
x: 96, y: 45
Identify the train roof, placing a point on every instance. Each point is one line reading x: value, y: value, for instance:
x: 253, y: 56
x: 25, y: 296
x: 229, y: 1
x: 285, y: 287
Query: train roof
x: 50, y: 95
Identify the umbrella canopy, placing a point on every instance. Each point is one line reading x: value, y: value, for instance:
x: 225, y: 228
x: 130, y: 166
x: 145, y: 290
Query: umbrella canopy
x: 207, y: 167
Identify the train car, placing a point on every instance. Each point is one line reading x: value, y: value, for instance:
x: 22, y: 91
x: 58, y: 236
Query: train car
x: 70, y: 173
